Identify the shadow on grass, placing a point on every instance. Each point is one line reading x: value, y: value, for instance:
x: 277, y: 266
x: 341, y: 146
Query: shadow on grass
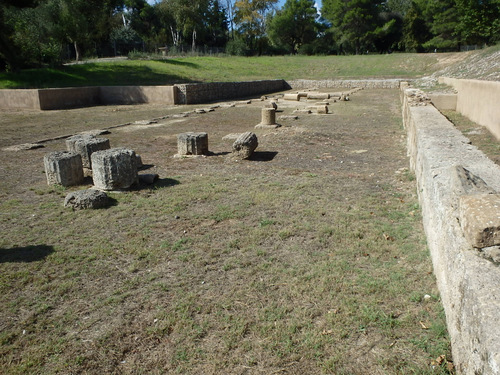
x: 177, y: 62
x: 160, y: 183
x: 263, y: 155
x: 91, y: 74
x: 25, y: 254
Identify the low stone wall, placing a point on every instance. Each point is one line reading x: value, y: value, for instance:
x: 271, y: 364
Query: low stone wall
x: 27, y: 99
x: 478, y: 100
x: 137, y: 94
x: 73, y: 97
x: 195, y: 93
x: 468, y: 278
x: 70, y: 97
x: 298, y: 84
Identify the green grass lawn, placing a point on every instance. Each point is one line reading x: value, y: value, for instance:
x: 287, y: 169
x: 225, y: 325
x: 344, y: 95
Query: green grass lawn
x: 213, y: 69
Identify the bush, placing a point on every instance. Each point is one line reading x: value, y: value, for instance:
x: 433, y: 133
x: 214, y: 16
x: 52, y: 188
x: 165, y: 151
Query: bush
x: 237, y: 47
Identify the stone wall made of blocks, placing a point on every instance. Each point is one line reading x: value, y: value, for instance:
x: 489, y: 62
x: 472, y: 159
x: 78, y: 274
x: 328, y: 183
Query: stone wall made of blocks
x: 195, y: 93
x: 447, y: 168
x: 340, y: 83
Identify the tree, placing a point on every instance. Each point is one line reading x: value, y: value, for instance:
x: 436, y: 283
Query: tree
x: 443, y: 25
x: 295, y: 25
x: 386, y: 37
x: 399, y: 6
x: 476, y: 20
x: 250, y: 17
x: 9, y: 51
x: 352, y: 22
x: 415, y: 30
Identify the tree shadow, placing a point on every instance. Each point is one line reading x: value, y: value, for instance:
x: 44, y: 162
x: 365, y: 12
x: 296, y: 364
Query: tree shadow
x: 25, y: 254
x: 177, y: 62
x: 163, y: 183
x: 263, y: 156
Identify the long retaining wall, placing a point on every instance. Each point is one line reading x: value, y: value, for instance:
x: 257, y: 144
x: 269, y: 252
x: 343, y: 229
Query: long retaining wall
x: 72, y: 97
x: 451, y: 173
x: 195, y: 93
x: 345, y: 83
x: 478, y: 100
x: 190, y: 93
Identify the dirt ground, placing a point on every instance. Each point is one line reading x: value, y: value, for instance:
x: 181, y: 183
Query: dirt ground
x: 308, y: 258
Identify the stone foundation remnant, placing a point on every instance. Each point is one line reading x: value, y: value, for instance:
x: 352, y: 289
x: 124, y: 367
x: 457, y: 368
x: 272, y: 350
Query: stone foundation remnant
x: 320, y: 109
x: 192, y: 144
x: 268, y: 118
x: 63, y: 168
x: 294, y: 97
x: 85, y: 199
x: 114, y: 169
x: 85, y: 145
x: 480, y: 219
x: 245, y: 145
x: 317, y: 95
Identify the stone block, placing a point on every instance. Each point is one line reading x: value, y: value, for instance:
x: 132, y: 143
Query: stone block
x: 245, y: 145
x: 85, y: 145
x: 86, y: 199
x: 64, y: 168
x: 268, y: 116
x: 318, y: 95
x: 479, y: 216
x: 114, y: 169
x: 192, y: 144
x: 320, y: 109
x: 294, y: 97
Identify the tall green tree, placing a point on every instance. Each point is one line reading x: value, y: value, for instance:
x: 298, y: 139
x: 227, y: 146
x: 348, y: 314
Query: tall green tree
x: 478, y: 21
x: 415, y: 29
x: 352, y: 22
x: 294, y: 25
x: 9, y: 51
x: 250, y: 18
x: 444, y: 25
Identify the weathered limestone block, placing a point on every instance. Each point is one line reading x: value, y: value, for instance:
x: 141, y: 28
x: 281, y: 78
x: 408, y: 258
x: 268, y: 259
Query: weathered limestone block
x: 306, y: 111
x: 480, y: 219
x: 114, y: 169
x: 320, y: 109
x: 192, y: 143
x: 317, y: 95
x: 268, y: 116
x: 85, y: 145
x: 294, y: 97
x: 289, y: 117
x: 84, y: 199
x: 245, y: 145
x: 64, y: 168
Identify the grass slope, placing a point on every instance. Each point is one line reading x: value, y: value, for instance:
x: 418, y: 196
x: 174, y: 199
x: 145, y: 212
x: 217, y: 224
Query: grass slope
x: 213, y: 69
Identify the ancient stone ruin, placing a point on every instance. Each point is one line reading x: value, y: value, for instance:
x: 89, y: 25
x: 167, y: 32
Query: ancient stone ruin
x: 245, y: 145
x: 63, y: 168
x: 268, y: 118
x: 114, y: 169
x: 192, y: 144
x: 86, y: 199
x: 85, y: 145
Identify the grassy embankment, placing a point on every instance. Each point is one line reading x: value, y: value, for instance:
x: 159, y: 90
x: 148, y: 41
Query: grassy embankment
x: 212, y: 69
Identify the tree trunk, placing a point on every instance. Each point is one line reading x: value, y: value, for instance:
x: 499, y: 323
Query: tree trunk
x: 77, y: 51
x: 193, y: 45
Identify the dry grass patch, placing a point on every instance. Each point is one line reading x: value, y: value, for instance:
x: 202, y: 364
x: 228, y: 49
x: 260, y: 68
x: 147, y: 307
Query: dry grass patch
x: 310, y: 258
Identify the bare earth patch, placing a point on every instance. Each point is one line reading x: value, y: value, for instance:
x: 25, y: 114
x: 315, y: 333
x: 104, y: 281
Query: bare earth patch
x: 309, y: 258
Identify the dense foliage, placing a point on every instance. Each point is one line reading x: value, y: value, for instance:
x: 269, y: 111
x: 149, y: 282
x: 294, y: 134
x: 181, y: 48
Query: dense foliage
x: 48, y: 32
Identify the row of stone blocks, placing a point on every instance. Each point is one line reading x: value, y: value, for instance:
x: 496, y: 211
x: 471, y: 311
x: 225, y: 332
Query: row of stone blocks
x: 111, y: 168
x: 196, y: 144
